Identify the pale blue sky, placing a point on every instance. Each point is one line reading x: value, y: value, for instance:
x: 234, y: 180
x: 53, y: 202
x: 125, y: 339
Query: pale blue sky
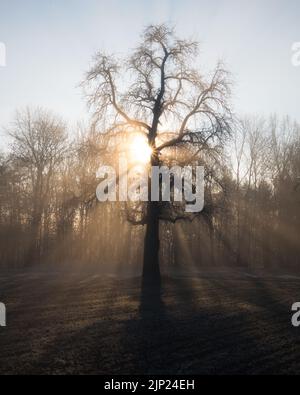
x: 50, y: 44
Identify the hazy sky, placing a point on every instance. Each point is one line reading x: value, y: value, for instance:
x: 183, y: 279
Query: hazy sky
x: 50, y: 44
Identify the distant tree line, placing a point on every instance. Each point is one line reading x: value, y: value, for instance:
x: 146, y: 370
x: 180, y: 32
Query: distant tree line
x: 49, y: 213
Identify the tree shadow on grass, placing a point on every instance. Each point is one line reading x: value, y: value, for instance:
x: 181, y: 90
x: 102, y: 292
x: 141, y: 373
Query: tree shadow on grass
x: 151, y: 302
x: 181, y: 331
x: 185, y: 327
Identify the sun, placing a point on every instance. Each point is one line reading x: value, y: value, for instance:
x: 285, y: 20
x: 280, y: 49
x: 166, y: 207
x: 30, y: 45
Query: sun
x: 140, y: 151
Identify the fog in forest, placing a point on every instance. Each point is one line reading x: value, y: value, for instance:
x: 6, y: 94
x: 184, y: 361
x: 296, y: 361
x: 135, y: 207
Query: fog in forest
x: 49, y: 211
x: 158, y: 232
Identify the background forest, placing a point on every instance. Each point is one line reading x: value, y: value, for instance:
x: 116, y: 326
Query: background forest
x: 149, y: 288
x: 49, y: 213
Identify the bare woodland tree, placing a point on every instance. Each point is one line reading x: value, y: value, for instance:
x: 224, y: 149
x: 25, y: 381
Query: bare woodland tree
x: 164, y: 88
x: 251, y: 220
x: 39, y: 145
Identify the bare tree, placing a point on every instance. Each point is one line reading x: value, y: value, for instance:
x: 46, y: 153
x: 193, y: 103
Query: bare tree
x: 38, y: 144
x: 163, y: 89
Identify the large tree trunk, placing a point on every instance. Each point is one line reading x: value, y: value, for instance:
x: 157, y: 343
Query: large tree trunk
x: 151, y: 302
x: 151, y: 270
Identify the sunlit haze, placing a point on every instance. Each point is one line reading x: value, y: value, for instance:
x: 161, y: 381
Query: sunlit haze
x: 149, y: 190
x: 139, y: 150
x: 50, y: 46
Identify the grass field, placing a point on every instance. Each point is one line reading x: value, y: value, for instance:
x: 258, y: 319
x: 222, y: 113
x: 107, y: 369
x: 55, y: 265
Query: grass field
x: 84, y: 323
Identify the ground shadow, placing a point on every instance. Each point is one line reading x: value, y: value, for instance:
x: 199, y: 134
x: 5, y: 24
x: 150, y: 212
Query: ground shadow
x: 186, y: 326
